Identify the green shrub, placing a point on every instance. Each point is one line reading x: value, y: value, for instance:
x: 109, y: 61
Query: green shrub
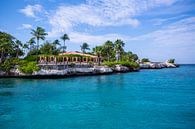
x: 15, y: 61
x: 28, y: 67
x: 123, y: 63
x: 31, y: 58
x: 109, y: 64
x: 8, y: 64
x: 145, y: 60
x: 129, y: 64
x: 172, y: 61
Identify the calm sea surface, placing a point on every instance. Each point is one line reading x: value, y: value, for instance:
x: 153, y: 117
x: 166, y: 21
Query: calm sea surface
x: 149, y: 99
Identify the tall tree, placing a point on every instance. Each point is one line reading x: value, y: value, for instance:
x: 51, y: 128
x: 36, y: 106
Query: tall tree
x: 38, y: 33
x: 47, y: 48
x: 31, y: 43
x: 84, y: 47
x: 98, y: 51
x: 25, y: 47
x: 108, y: 46
x: 6, y: 44
x: 56, y: 43
x: 118, y: 46
x: 131, y: 56
x: 18, y: 44
x: 64, y: 38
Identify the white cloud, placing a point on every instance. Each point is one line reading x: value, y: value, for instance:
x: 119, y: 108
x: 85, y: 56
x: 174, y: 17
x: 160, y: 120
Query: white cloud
x: 175, y: 40
x: 178, y: 33
x: 100, y: 13
x: 77, y: 37
x: 32, y: 10
x: 26, y: 26
x: 160, y: 21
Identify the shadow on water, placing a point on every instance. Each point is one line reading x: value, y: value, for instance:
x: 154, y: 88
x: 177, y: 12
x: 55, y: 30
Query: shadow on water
x: 6, y: 93
x: 7, y: 83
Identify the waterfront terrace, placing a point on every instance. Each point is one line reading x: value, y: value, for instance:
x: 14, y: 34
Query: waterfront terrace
x: 69, y: 58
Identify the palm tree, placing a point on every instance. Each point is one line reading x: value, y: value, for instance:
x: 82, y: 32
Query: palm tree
x: 118, y: 46
x: 39, y: 33
x: 31, y: 42
x: 64, y: 38
x: 18, y: 44
x: 108, y: 46
x: 98, y: 51
x: 25, y: 47
x: 84, y: 47
x: 55, y: 44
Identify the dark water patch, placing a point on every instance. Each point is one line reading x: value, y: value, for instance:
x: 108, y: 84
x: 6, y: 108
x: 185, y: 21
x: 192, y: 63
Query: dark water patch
x: 7, y: 83
x: 6, y: 93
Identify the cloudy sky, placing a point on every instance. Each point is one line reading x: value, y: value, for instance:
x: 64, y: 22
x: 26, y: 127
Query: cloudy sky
x: 155, y: 29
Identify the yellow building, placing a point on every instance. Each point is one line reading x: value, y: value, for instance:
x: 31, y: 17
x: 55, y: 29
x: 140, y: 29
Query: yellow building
x: 69, y: 57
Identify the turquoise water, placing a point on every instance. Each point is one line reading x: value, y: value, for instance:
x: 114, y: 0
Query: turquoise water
x: 149, y: 99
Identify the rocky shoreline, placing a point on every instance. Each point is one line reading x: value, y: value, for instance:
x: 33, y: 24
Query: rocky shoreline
x: 70, y: 72
x: 73, y: 72
x: 157, y: 65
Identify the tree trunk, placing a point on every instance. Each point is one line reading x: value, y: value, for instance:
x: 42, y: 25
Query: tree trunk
x: 29, y: 47
x: 37, y: 49
x: 2, y: 55
x: 17, y: 53
x: 99, y: 59
x: 108, y: 57
x: 64, y: 47
x: 119, y: 57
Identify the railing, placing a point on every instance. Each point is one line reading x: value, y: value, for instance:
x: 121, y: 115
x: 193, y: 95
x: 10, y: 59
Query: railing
x: 65, y: 65
x: 62, y: 63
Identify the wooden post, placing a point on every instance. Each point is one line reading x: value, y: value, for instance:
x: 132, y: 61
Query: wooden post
x: 55, y: 60
x: 87, y: 60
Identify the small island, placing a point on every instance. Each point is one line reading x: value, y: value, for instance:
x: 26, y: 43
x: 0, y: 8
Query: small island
x: 50, y: 59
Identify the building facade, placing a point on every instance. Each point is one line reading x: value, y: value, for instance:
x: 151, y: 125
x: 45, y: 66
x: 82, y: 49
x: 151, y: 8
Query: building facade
x: 69, y: 57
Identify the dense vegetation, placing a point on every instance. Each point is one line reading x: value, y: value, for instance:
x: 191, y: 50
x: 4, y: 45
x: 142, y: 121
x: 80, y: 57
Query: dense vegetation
x: 144, y: 60
x: 24, y: 56
x: 114, y: 51
x: 172, y: 61
x: 123, y: 63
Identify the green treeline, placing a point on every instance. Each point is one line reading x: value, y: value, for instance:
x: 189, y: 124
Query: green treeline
x: 14, y: 53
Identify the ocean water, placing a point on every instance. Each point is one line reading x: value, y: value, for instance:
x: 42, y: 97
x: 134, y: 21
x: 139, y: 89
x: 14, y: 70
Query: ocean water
x: 149, y: 99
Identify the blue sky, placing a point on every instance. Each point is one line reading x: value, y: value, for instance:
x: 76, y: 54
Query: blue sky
x: 155, y: 29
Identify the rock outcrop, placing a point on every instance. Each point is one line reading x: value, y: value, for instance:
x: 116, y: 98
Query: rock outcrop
x: 2, y: 73
x: 120, y: 68
x: 75, y: 71
x: 157, y: 65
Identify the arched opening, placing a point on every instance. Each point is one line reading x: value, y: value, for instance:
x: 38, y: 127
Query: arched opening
x: 74, y: 59
x: 84, y: 59
x: 65, y: 59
